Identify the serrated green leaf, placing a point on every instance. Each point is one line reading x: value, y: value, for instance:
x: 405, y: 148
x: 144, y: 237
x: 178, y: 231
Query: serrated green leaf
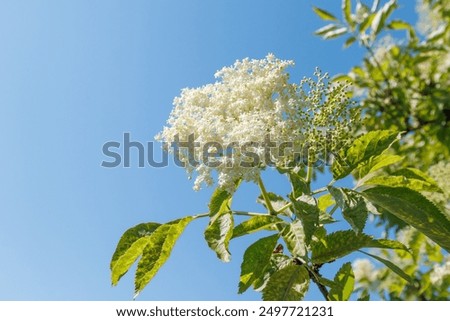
x: 294, y: 237
x: 277, y: 262
x: 218, y: 200
x: 218, y: 235
x: 157, y: 251
x: 338, y: 244
x: 257, y: 223
x: 298, y: 184
x: 325, y: 29
x: 399, y: 25
x: 288, y: 284
x: 326, y: 282
x: 414, y: 209
x: 414, y: 173
x: 372, y: 144
x: 344, y: 282
x: 375, y: 163
x: 353, y: 207
x: 347, y: 10
x: 307, y: 211
x: 325, y: 218
x: 325, y: 201
x: 394, y: 268
x: 335, y: 33
x: 130, y: 247
x: 256, y: 259
x: 325, y: 15
x: 388, y: 244
x: 401, y: 181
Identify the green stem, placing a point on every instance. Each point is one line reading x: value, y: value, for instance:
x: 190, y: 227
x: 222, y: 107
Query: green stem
x: 333, y: 209
x: 283, y: 208
x: 265, y: 196
x: 309, y: 172
x: 200, y: 215
x: 315, y: 277
x: 244, y: 213
x: 320, y: 190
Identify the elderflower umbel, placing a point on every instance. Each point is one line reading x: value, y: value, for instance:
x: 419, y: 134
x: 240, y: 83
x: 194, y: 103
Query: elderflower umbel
x: 252, y: 117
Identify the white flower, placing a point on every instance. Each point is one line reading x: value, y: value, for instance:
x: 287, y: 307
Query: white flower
x: 248, y: 112
x: 364, y: 270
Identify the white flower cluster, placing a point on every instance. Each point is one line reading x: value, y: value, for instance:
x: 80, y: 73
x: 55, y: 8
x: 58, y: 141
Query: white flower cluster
x: 364, y: 271
x: 440, y: 272
x: 251, y: 105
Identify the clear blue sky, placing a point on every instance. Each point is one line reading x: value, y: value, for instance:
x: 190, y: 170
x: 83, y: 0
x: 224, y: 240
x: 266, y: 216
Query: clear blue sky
x: 75, y: 74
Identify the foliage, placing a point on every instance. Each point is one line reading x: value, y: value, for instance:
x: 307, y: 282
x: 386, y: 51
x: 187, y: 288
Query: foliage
x: 402, y: 84
x: 300, y: 223
x: 401, y: 90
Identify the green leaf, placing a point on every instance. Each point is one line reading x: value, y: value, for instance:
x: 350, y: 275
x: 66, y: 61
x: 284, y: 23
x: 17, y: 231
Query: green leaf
x: 347, y: 10
x: 338, y: 244
x: 256, y: 259
x: 414, y: 209
x: 129, y: 248
x: 325, y: 29
x: 277, y: 262
x: 307, y: 211
x: 298, y: 184
x: 294, y: 237
x: 325, y: 201
x: 394, y: 268
x: 219, y: 200
x: 344, y: 282
x: 401, y: 181
x: 372, y: 144
x: 379, y: 20
x: 218, y: 235
x: 288, y: 284
x: 388, y: 244
x: 157, y: 251
x: 399, y: 25
x: 366, y: 23
x: 353, y: 207
x: 341, y: 78
x: 325, y: 15
x: 416, y: 174
x: 349, y: 42
x: 326, y: 282
x: 257, y: 223
x: 375, y: 163
x: 335, y: 33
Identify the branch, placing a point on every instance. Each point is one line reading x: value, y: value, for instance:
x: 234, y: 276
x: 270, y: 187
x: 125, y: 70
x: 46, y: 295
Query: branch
x: 266, y: 196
